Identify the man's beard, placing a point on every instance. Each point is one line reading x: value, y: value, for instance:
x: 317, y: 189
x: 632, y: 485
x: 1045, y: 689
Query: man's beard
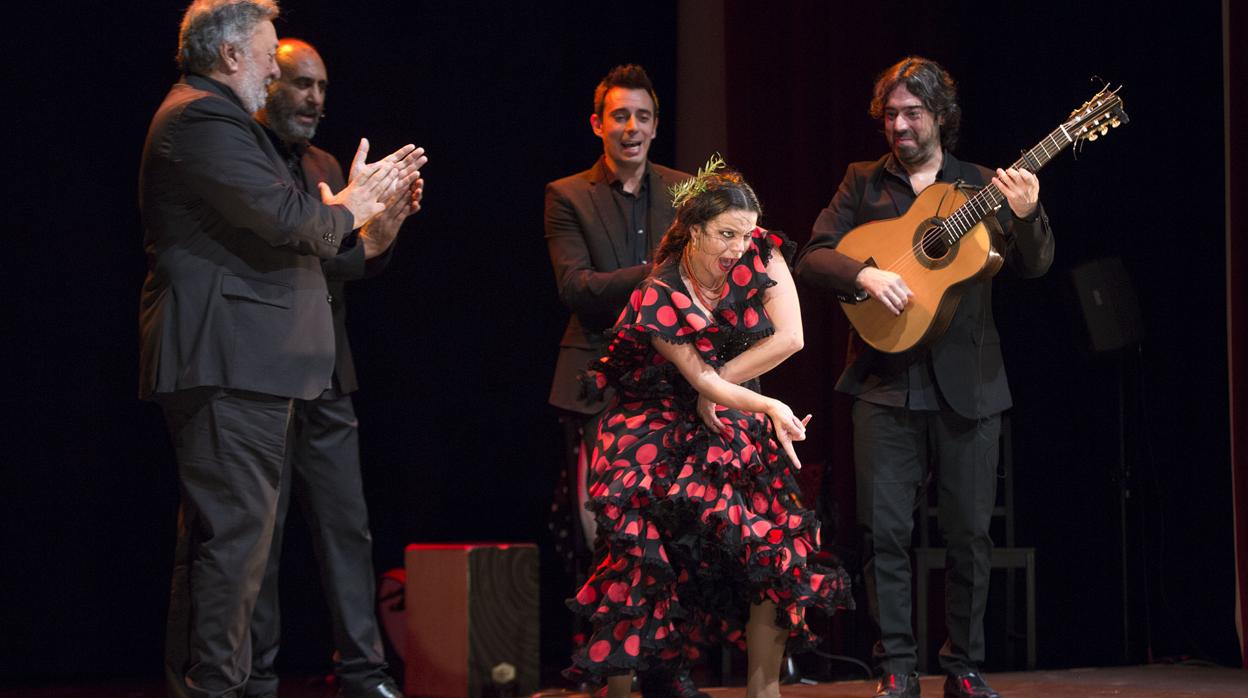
x: 281, y: 117
x: 916, y: 152
x: 253, y: 87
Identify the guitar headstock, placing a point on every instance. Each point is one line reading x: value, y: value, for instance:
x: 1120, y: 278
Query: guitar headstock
x: 1096, y: 116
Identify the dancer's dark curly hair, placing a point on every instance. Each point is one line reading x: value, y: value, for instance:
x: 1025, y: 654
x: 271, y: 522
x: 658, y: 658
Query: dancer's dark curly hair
x: 724, y: 191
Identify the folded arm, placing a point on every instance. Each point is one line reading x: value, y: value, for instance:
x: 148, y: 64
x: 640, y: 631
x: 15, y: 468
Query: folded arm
x: 785, y: 312
x: 710, y: 385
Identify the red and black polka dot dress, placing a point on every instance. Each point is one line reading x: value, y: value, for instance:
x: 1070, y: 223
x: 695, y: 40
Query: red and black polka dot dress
x: 693, y: 526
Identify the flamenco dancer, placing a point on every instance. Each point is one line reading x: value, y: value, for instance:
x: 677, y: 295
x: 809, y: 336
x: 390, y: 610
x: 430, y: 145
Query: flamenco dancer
x: 701, y: 535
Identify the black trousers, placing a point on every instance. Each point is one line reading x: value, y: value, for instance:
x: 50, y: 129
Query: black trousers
x: 230, y: 447
x: 893, y: 447
x: 323, y: 476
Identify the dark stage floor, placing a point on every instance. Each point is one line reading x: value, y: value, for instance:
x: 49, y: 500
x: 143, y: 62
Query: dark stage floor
x: 1133, y: 682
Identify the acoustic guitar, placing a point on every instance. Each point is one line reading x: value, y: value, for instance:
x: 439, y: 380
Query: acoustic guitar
x: 950, y: 237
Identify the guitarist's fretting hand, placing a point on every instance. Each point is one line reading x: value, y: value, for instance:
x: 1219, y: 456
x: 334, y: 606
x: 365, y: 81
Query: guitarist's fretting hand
x: 886, y: 287
x: 1020, y: 188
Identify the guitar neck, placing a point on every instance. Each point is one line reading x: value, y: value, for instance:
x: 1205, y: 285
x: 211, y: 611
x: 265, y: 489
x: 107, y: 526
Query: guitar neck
x: 988, y: 200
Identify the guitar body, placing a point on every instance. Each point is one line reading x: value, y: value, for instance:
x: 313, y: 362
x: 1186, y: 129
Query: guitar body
x: 913, y: 247
x: 946, y: 241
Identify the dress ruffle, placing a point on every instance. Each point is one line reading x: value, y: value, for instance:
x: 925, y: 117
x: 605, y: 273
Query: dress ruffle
x: 693, y: 526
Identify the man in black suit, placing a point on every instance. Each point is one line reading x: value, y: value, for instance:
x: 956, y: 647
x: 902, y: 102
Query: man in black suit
x: 941, y: 403
x: 323, y: 472
x: 601, y: 227
x: 234, y: 320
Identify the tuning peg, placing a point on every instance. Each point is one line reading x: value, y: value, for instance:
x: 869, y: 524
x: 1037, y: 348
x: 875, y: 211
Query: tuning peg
x: 1093, y: 136
x: 1115, y: 123
x: 1104, y: 129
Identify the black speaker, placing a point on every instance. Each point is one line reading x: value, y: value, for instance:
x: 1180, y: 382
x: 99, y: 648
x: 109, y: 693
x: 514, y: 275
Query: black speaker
x: 1107, y: 299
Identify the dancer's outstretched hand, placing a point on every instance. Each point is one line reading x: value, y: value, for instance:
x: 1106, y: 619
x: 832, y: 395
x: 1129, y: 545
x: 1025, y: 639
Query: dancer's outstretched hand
x: 788, y: 429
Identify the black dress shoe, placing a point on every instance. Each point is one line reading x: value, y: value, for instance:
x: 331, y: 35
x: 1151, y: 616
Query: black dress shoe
x: 898, y: 686
x: 385, y: 689
x: 668, y: 683
x: 968, y: 685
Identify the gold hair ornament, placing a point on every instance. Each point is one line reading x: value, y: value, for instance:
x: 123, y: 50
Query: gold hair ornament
x: 686, y: 190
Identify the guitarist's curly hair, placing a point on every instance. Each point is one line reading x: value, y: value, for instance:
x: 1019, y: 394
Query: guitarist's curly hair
x: 931, y: 83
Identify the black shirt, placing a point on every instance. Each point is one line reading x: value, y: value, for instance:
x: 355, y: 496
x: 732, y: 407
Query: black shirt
x: 634, y: 210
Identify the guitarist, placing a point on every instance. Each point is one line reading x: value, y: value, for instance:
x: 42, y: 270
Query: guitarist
x: 941, y: 403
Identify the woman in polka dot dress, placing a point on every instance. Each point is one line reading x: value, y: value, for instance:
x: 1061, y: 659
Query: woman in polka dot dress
x: 701, y: 536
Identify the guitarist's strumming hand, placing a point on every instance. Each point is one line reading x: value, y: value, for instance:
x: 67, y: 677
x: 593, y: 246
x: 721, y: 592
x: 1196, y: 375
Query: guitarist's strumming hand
x: 886, y: 287
x: 1021, y: 190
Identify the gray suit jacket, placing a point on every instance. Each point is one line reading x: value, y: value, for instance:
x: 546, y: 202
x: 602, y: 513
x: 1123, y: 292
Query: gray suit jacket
x: 588, y: 244
x: 234, y: 295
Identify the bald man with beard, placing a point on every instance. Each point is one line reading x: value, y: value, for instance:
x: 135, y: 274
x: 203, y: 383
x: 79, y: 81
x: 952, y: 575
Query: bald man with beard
x: 323, y: 473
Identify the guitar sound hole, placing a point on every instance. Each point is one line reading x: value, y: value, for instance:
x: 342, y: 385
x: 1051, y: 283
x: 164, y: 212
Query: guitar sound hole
x: 934, y: 244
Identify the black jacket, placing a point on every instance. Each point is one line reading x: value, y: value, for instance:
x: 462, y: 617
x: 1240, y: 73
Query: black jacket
x: 348, y: 265
x: 966, y: 359
x: 588, y: 244
x: 234, y: 296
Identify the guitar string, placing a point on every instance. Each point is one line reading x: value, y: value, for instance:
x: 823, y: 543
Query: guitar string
x: 962, y: 215
x: 1102, y: 110
x: 959, y: 216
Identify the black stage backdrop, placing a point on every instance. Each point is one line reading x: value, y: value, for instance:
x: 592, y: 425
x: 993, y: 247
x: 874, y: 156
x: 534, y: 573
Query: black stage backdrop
x: 456, y: 341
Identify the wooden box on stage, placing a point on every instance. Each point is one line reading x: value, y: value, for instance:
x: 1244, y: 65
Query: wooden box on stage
x: 472, y: 619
